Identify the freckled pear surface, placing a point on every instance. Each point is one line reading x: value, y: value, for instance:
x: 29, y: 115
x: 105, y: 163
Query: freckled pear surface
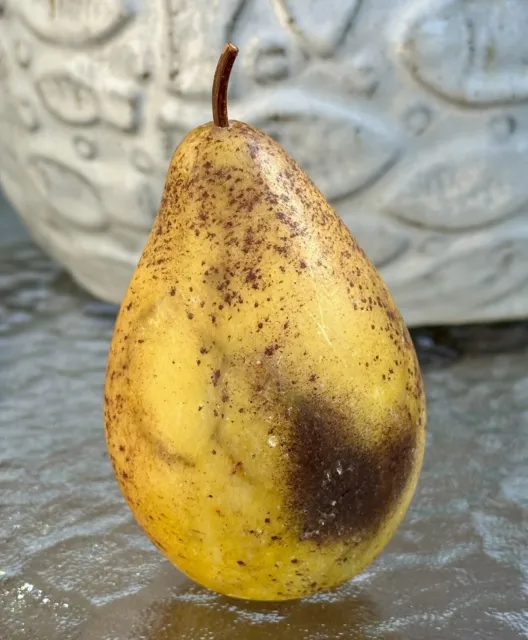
x: 264, y: 408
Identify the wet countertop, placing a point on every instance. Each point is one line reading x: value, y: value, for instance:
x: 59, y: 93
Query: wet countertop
x: 74, y: 565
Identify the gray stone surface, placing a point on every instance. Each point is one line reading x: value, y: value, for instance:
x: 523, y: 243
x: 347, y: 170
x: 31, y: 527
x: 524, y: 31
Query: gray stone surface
x: 74, y: 565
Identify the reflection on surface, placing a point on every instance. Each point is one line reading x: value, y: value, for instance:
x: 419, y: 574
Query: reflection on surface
x: 195, y: 613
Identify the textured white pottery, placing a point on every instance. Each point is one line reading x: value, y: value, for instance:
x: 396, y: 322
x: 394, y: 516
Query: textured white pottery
x: 410, y: 115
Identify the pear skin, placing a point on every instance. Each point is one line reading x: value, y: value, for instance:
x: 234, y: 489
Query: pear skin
x: 264, y: 407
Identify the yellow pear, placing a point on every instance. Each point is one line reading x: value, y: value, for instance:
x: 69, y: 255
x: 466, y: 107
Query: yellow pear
x: 264, y: 407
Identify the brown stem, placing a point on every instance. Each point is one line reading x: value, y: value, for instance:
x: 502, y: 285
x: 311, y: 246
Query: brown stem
x: 220, y: 84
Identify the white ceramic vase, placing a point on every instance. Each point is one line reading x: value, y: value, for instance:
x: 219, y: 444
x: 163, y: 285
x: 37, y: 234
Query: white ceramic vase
x: 410, y: 116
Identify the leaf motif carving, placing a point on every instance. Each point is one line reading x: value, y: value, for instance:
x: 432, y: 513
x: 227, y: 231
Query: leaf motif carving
x: 74, y: 23
x: 319, y: 28
x: 68, y: 99
x: 462, y: 185
x: 470, y: 272
x: 72, y: 195
x: 471, y: 52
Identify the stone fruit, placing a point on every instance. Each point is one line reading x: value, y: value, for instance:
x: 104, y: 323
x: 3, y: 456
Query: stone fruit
x: 264, y: 407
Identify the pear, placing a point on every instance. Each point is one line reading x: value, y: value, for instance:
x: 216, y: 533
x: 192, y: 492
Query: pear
x: 264, y: 407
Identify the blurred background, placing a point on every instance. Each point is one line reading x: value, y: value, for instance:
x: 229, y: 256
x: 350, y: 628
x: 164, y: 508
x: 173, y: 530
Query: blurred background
x: 409, y: 115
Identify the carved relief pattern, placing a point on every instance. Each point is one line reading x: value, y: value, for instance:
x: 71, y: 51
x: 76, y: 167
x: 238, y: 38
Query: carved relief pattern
x: 410, y: 115
x: 73, y: 23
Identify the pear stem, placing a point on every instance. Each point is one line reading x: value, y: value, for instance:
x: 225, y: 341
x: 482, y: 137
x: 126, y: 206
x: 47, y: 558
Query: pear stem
x: 221, y: 83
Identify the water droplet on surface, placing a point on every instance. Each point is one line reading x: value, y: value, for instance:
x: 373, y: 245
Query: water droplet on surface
x: 272, y: 441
